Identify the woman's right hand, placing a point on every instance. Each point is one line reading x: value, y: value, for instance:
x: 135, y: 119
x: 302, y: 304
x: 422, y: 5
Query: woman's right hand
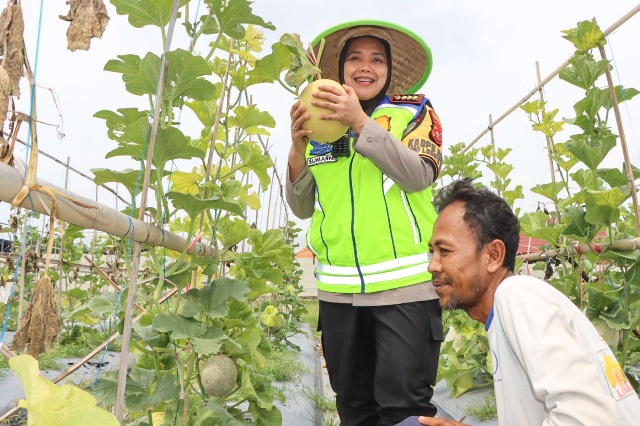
x: 299, y: 137
x: 299, y: 140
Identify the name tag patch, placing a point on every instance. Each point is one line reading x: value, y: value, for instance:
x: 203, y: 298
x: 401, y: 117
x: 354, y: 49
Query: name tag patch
x: 321, y: 159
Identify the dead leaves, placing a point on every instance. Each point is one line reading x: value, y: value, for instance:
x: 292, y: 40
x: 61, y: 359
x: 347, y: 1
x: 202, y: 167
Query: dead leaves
x: 40, y: 324
x: 88, y: 19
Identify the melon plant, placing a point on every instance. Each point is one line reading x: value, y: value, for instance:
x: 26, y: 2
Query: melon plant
x: 323, y: 130
x: 302, y: 73
x: 219, y: 375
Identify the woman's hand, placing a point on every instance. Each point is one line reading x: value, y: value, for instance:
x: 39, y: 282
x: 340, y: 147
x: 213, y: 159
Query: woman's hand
x: 345, y: 106
x: 299, y: 140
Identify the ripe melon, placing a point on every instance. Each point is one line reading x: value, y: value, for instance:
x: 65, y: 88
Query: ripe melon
x: 219, y: 375
x: 323, y: 130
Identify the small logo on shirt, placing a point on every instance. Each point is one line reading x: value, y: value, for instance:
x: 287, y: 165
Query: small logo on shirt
x: 618, y: 383
x: 320, y: 148
x: 321, y: 159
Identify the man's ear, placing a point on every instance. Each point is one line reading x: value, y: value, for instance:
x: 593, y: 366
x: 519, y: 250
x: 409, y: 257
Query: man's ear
x: 497, y: 252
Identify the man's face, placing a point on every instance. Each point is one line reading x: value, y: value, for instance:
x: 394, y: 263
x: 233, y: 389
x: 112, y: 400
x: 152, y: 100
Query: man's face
x: 456, y: 263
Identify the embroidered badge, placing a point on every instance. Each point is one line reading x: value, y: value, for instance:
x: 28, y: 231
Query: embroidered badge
x: 407, y: 99
x: 436, y: 128
x: 384, y: 121
x: 320, y: 148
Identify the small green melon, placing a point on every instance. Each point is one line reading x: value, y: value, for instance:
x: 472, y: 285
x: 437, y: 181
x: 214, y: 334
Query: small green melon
x: 219, y: 375
x: 323, y: 130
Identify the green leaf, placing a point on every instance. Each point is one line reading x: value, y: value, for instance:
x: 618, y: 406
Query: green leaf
x: 301, y: 69
x: 252, y: 120
x: 583, y: 71
x: 613, y: 177
x: 206, y: 110
x: 252, y: 200
x: 623, y: 95
x: 501, y: 170
x: 586, y: 36
x: 594, y: 101
x: 51, y: 405
x: 591, y: 152
x: 210, y: 342
x: 253, y: 159
x: 140, y: 76
x: 269, y: 68
x: 130, y: 179
x: 213, y: 300
x: 170, y: 144
x: 538, y: 225
x: 186, y: 183
x: 232, y: 15
x: 603, y: 206
x: 231, y: 232
x: 146, y: 12
x: 179, y: 326
x: 118, y: 123
x: 184, y: 77
x: 549, y: 190
x: 271, y: 246
x: 577, y: 226
x: 584, y: 178
x: 167, y: 388
x: 194, y: 205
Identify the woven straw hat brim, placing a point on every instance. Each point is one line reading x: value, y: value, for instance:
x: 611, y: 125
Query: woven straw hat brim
x: 410, y: 56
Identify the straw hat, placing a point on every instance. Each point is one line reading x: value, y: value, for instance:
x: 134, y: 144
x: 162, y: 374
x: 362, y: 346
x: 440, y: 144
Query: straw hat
x: 410, y: 56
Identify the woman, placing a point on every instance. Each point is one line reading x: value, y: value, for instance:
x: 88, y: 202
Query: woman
x: 370, y: 203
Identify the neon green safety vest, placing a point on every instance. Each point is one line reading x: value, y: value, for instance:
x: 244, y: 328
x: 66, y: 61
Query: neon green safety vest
x: 367, y: 233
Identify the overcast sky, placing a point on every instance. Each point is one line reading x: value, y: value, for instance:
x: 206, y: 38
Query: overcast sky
x: 484, y: 56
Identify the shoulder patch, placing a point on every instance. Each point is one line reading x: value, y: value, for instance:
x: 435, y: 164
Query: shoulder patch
x: 384, y: 121
x: 407, y: 99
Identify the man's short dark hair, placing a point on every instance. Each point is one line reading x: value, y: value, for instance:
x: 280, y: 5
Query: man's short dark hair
x: 486, y: 213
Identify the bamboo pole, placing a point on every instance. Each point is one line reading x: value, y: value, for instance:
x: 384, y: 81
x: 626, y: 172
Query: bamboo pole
x: 623, y: 140
x: 273, y: 174
x: 23, y: 265
x: 549, y: 142
x: 550, y: 77
x: 87, y: 357
x: 59, y: 292
x: 101, y: 217
x: 137, y: 245
x: 579, y: 249
x: 493, y: 145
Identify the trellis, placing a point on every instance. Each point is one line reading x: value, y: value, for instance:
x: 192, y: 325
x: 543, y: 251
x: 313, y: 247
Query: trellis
x: 106, y: 219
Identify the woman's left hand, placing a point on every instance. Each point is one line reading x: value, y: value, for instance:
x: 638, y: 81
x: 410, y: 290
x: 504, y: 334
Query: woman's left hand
x: 345, y: 106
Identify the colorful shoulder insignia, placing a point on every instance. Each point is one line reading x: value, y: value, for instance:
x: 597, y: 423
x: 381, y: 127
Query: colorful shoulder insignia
x: 407, y: 99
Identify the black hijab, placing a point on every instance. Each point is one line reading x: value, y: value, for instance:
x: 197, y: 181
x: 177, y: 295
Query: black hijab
x: 370, y: 104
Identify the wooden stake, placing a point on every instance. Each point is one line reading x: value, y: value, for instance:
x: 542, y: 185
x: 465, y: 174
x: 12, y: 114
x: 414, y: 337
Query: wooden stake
x: 623, y: 141
x: 549, y: 142
x: 23, y: 265
x: 137, y: 246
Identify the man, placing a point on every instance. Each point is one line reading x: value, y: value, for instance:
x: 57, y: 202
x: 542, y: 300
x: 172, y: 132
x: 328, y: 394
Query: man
x: 551, y: 367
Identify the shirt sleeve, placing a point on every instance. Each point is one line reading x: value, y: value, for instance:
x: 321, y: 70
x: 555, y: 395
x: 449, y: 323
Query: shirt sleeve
x: 301, y: 194
x: 414, y: 162
x: 543, y: 337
